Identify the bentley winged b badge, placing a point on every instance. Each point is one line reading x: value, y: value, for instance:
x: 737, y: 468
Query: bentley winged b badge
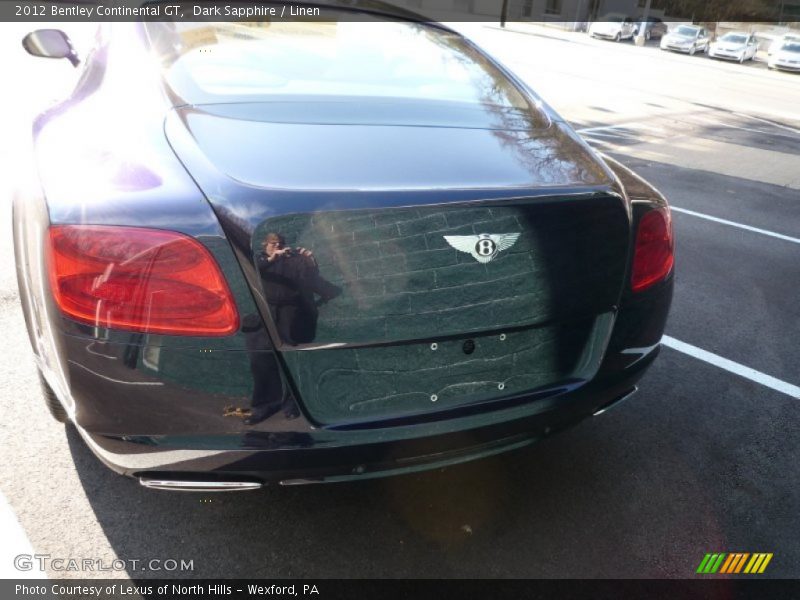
x: 483, y: 247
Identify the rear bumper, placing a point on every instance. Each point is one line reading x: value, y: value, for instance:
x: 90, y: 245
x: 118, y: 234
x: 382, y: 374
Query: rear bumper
x: 289, y: 459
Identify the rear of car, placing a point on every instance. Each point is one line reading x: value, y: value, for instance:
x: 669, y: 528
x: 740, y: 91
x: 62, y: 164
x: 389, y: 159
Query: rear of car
x: 461, y: 273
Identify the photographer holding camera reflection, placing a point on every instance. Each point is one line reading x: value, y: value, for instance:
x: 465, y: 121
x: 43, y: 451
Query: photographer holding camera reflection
x: 291, y: 282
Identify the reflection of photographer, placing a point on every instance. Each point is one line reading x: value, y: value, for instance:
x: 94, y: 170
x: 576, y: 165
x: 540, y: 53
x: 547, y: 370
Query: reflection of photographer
x: 291, y: 282
x: 268, y: 393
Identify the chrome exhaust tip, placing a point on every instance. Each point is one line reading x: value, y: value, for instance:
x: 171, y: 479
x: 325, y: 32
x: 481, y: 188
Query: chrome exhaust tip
x: 199, y: 486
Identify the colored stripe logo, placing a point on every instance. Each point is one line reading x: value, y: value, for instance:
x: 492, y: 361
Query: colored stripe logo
x: 734, y: 562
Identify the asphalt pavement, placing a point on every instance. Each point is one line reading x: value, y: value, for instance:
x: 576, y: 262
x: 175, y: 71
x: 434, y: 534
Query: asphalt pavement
x: 702, y: 459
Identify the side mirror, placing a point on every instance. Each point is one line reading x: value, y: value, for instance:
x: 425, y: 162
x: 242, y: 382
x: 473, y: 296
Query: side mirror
x: 50, y: 43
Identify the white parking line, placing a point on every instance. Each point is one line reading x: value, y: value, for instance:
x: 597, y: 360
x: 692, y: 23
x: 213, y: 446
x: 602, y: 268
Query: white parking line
x: 786, y: 127
x: 729, y: 126
x: 603, y: 128
x: 620, y: 126
x: 15, y: 542
x: 732, y: 367
x: 609, y: 133
x: 779, y: 236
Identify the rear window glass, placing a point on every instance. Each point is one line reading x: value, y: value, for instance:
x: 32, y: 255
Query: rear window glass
x: 228, y: 62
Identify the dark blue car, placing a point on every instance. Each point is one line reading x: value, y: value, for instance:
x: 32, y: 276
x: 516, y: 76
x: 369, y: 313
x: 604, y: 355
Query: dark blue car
x: 316, y: 251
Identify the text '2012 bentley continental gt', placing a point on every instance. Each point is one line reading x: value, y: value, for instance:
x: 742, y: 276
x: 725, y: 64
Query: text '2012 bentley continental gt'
x: 324, y: 251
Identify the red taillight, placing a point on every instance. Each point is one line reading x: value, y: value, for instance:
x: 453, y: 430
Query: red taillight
x: 653, y: 255
x: 145, y: 280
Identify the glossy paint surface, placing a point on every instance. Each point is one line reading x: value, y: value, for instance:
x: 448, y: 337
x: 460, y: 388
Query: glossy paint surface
x: 497, y: 148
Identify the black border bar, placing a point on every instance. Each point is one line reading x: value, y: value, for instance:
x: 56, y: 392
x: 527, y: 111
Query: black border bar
x: 508, y: 11
x: 711, y: 588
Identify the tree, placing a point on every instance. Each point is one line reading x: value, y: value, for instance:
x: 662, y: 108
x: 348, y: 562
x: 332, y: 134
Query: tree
x: 723, y: 10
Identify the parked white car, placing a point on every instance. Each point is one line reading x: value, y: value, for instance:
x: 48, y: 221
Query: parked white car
x: 786, y: 57
x: 736, y: 45
x: 614, y: 26
x: 787, y: 37
x: 686, y: 38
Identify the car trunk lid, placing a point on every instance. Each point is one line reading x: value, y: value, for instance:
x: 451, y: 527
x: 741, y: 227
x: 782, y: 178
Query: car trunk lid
x: 456, y: 264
